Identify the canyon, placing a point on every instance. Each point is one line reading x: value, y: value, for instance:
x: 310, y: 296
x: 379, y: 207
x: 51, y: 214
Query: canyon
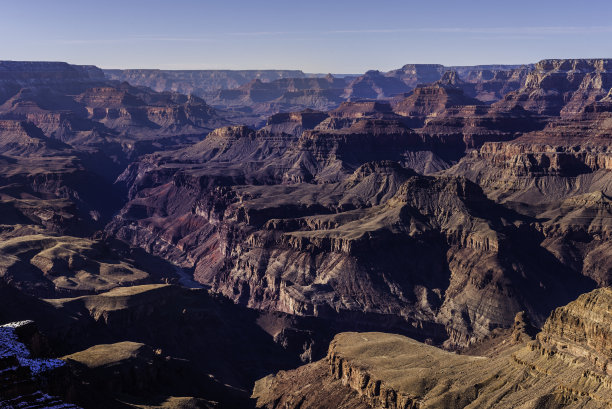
x: 560, y: 367
x: 259, y: 94
x: 425, y: 237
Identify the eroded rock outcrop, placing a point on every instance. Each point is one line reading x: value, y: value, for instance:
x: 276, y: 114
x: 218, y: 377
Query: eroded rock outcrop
x: 562, y: 86
x: 353, y: 246
x: 29, y: 381
x: 567, y: 366
x: 432, y: 100
x: 581, y: 330
x: 197, y: 82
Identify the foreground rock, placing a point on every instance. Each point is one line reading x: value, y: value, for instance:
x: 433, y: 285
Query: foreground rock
x: 133, y: 374
x: 25, y: 380
x: 566, y: 366
x: 151, y: 344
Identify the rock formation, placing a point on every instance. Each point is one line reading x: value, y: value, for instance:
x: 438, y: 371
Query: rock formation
x: 432, y: 100
x: 197, y: 82
x: 282, y: 95
x: 26, y: 380
x: 280, y: 247
x: 567, y: 366
x: 562, y: 86
x: 255, y: 95
x: 176, y: 338
x: 457, y: 206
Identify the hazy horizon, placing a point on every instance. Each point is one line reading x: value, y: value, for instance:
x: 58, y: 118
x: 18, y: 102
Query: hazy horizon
x: 315, y: 37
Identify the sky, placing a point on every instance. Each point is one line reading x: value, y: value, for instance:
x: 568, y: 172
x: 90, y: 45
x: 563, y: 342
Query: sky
x: 314, y: 36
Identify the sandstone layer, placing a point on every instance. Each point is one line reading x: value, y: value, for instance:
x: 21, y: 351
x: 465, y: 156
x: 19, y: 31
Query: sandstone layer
x: 565, y: 367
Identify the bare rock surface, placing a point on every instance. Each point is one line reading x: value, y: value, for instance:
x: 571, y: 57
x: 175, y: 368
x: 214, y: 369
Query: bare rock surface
x: 567, y: 366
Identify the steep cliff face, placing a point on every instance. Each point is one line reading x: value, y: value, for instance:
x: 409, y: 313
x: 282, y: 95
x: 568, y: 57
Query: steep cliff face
x: 195, y: 344
x: 581, y: 331
x: 295, y: 122
x: 21, y: 138
x: 374, y: 85
x: 351, y: 245
x: 568, y: 365
x: 330, y: 155
x: 446, y: 115
x: 27, y: 378
x: 127, y: 108
x: 563, y: 150
x: 432, y: 100
x: 79, y: 106
x: 349, y: 113
x: 471, y: 126
x: 490, y: 84
x: 415, y: 74
x: 562, y: 86
x: 317, y: 390
x: 559, y: 176
x: 448, y: 121
x: 363, y: 109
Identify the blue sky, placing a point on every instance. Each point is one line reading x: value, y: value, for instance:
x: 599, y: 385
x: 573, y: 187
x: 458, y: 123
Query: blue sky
x: 315, y: 36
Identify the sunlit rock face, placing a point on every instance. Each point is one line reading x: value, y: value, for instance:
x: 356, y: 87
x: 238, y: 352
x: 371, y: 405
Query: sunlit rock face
x: 568, y: 363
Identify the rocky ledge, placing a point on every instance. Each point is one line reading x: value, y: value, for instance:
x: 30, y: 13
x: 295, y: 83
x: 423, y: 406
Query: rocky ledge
x: 23, y: 376
x: 566, y: 366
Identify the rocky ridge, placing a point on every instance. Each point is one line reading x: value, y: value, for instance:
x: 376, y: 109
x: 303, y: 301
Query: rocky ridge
x: 384, y: 370
x: 256, y: 246
x: 259, y: 94
x: 197, y: 82
x: 562, y: 86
